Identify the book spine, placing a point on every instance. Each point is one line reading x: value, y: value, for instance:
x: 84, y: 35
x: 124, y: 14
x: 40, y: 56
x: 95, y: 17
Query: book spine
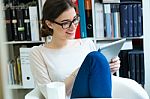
x: 34, y: 24
x: 142, y: 69
x: 130, y: 20
x: 27, y: 78
x: 107, y: 14
x: 20, y: 24
x: 132, y: 65
x: 99, y: 21
x: 9, y: 25
x: 124, y: 20
x: 27, y: 24
x: 78, y: 34
x: 81, y: 7
x: 88, y: 17
x: 135, y: 16
x: 137, y: 60
x: 14, y: 24
x: 140, y: 20
x: 116, y: 20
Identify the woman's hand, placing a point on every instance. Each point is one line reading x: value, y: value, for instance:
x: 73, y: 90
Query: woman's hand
x: 114, y: 64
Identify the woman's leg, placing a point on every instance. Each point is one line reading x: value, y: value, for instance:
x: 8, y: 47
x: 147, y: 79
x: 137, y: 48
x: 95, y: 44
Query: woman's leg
x: 93, y: 78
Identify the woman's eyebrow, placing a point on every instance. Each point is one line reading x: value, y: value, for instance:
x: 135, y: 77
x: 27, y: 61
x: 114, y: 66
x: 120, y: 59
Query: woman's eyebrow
x: 68, y: 19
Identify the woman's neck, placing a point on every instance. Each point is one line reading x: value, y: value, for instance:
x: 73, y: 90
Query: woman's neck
x: 57, y: 43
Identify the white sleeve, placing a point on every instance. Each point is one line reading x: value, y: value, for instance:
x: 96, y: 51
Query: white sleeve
x: 39, y: 70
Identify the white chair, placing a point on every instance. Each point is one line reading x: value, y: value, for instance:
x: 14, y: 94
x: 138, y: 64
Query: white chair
x: 122, y: 88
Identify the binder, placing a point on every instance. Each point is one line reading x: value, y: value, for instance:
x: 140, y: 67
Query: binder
x: 34, y: 23
x: 27, y: 78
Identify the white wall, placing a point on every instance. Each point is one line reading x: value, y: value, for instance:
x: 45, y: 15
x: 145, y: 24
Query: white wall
x: 146, y: 27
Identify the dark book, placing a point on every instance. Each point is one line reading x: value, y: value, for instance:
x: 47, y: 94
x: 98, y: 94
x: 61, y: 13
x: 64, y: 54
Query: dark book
x: 14, y: 24
x: 140, y: 20
x: 88, y: 16
x: 142, y: 69
x: 20, y: 23
x: 137, y: 61
x: 131, y: 59
x: 130, y: 20
x: 27, y: 24
x: 124, y: 20
x: 135, y: 19
x: 9, y: 25
x: 124, y: 68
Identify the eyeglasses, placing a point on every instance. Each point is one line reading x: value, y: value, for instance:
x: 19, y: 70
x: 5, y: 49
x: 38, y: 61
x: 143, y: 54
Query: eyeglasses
x: 67, y: 24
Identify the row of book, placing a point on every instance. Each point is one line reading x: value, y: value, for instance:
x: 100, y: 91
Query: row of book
x: 84, y: 9
x: 19, y: 72
x: 22, y: 23
x: 118, y: 20
x: 132, y: 65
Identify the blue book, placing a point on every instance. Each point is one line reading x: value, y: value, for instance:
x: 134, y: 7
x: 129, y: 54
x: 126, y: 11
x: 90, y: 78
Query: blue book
x: 130, y: 20
x: 140, y: 21
x: 135, y: 14
x: 142, y: 69
x: 131, y: 59
x: 116, y: 20
x: 82, y: 18
x: 124, y: 20
x: 107, y: 17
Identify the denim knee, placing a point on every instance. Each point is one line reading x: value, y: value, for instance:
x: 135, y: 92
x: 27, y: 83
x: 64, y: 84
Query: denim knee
x: 96, y: 55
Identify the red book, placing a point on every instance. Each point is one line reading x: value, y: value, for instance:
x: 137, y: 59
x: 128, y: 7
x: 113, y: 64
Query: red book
x: 78, y: 28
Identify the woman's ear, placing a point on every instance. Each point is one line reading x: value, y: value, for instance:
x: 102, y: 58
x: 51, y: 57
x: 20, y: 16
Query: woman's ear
x: 49, y: 24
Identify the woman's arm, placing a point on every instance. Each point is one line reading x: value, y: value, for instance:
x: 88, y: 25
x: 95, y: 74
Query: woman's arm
x: 69, y: 81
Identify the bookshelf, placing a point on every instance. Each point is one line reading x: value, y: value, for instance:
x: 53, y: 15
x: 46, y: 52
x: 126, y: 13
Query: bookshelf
x: 19, y: 91
x: 129, y: 44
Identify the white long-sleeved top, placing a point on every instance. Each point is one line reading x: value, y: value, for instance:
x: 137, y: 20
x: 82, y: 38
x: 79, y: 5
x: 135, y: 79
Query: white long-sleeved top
x: 50, y: 65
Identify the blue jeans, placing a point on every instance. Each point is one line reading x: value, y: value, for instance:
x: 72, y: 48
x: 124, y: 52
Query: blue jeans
x: 94, y: 78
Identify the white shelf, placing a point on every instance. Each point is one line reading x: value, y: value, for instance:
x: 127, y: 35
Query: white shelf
x: 22, y: 42
x: 17, y: 87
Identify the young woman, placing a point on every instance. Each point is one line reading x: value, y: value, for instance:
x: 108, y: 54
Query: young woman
x: 85, y: 72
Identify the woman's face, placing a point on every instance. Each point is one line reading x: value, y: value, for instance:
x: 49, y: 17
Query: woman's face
x: 64, y: 27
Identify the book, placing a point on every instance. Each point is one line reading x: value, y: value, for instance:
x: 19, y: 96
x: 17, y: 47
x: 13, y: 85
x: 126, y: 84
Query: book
x: 124, y: 20
x: 112, y: 50
x: 107, y: 21
x: 34, y: 23
x: 140, y: 20
x: 81, y: 7
x: 124, y: 68
x: 27, y: 78
x: 116, y: 20
x: 135, y: 20
x: 132, y: 65
x: 99, y: 20
x: 14, y: 24
x: 88, y: 17
x: 130, y: 20
x: 10, y: 35
x: 78, y: 34
x: 20, y: 24
x: 27, y: 24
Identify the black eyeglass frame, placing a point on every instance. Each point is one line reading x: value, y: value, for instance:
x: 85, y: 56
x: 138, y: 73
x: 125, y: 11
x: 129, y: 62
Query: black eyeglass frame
x: 62, y: 24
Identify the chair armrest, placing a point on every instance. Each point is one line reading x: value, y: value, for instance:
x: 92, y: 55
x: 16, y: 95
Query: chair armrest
x: 34, y: 94
x: 127, y: 88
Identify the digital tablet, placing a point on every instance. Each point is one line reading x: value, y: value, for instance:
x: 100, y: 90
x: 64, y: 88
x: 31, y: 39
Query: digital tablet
x: 112, y: 50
